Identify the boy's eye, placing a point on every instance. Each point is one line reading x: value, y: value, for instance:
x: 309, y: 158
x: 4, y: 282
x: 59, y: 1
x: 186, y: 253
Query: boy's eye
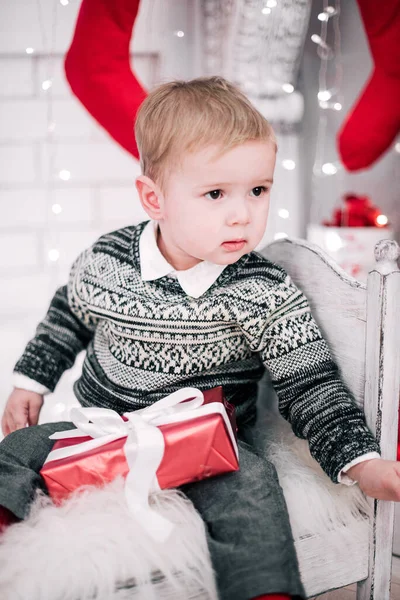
x: 257, y: 191
x: 213, y: 195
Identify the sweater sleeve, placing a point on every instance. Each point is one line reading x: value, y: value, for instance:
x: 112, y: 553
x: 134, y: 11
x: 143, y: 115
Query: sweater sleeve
x: 65, y: 331
x: 311, y: 394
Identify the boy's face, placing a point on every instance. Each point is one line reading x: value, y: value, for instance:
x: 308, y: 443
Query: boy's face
x: 216, y: 209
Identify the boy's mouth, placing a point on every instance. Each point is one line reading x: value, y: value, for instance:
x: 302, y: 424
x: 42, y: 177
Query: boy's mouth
x: 233, y: 245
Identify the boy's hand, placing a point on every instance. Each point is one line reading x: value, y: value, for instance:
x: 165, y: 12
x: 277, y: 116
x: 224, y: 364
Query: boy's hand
x: 22, y: 409
x: 378, y: 478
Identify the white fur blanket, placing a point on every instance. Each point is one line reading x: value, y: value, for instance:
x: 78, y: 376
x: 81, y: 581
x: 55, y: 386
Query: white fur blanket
x: 90, y: 545
x: 91, y: 548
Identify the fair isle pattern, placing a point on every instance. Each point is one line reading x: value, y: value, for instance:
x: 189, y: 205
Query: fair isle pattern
x: 147, y: 339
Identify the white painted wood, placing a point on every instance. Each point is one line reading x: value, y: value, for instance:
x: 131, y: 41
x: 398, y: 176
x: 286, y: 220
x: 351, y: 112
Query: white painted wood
x: 381, y: 404
x: 321, y: 559
x: 367, y: 352
x: 396, y: 539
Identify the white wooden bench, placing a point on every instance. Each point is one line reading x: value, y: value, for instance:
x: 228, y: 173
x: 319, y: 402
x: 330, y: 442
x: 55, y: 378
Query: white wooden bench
x: 339, y: 536
x: 362, y: 326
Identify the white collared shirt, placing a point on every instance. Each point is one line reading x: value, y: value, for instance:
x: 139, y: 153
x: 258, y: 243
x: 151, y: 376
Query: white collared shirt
x: 194, y: 281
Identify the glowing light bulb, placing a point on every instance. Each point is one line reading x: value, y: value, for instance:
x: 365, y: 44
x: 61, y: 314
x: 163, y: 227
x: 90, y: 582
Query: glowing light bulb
x: 288, y: 88
x: 323, y: 16
x: 316, y: 38
x: 288, y: 164
x: 280, y: 235
x: 179, y: 34
x: 382, y: 220
x: 329, y: 169
x: 283, y: 213
x: 64, y: 2
x: 397, y: 147
x: 53, y: 255
x: 337, y: 106
x: 56, y: 208
x: 46, y: 85
x: 64, y: 175
x: 271, y: 3
x: 29, y: 50
x: 324, y: 95
x: 333, y: 241
x: 266, y: 10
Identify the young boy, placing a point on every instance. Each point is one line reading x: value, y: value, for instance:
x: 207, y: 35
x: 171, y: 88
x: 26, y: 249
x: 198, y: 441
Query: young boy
x: 183, y: 300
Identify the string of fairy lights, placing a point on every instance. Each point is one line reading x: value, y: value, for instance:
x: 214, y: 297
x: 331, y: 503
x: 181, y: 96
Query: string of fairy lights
x: 300, y: 16
x: 329, y: 93
x: 49, y: 45
x: 48, y: 56
x: 330, y: 98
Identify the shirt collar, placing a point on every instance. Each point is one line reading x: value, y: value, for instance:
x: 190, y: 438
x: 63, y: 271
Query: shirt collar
x: 194, y: 282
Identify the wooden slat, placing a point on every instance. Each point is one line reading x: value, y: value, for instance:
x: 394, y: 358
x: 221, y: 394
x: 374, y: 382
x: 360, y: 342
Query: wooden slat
x: 321, y: 559
x: 367, y: 351
x: 381, y: 409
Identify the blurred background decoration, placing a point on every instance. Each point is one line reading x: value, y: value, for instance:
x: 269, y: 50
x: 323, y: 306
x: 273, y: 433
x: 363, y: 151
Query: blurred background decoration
x: 64, y: 181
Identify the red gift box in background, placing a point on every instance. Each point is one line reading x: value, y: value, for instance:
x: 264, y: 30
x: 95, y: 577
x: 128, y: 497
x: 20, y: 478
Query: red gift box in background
x: 195, y: 449
x: 351, y: 234
x: 357, y: 211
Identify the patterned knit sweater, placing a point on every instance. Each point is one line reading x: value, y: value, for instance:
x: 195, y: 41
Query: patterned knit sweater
x: 145, y: 340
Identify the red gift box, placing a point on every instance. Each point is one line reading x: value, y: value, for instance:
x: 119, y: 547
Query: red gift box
x: 201, y: 446
x: 357, y: 211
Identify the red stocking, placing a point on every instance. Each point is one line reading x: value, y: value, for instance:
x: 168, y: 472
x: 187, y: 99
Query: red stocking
x: 98, y: 70
x: 374, y: 121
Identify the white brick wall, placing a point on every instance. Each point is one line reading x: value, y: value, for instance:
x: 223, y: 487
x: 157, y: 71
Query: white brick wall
x: 89, y: 162
x: 19, y: 251
x: 43, y: 67
x: 120, y: 206
x: 100, y: 195
x: 17, y: 78
x: 21, y: 208
x: 17, y: 164
x: 22, y: 119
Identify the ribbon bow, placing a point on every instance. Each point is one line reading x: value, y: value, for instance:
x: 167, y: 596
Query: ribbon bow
x: 144, y: 447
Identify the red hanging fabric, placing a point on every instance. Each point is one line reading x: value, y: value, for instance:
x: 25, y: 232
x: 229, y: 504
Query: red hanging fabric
x: 98, y: 69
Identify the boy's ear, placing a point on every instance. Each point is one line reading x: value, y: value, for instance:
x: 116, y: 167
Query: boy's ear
x: 150, y: 197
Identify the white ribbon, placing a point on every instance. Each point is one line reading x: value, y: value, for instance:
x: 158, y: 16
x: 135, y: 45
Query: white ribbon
x: 144, y: 446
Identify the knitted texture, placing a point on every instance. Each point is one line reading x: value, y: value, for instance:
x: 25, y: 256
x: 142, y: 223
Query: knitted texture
x: 147, y: 339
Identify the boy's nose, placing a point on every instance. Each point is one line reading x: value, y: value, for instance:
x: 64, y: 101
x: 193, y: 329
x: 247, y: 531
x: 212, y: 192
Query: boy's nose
x: 240, y: 214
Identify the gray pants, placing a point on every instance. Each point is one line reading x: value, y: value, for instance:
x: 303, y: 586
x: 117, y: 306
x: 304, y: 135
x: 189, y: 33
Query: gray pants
x: 247, y: 524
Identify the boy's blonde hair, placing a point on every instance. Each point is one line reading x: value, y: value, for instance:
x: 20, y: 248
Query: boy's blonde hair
x: 182, y: 116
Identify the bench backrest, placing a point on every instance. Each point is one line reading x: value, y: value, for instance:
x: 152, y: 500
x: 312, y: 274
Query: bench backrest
x: 362, y: 326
